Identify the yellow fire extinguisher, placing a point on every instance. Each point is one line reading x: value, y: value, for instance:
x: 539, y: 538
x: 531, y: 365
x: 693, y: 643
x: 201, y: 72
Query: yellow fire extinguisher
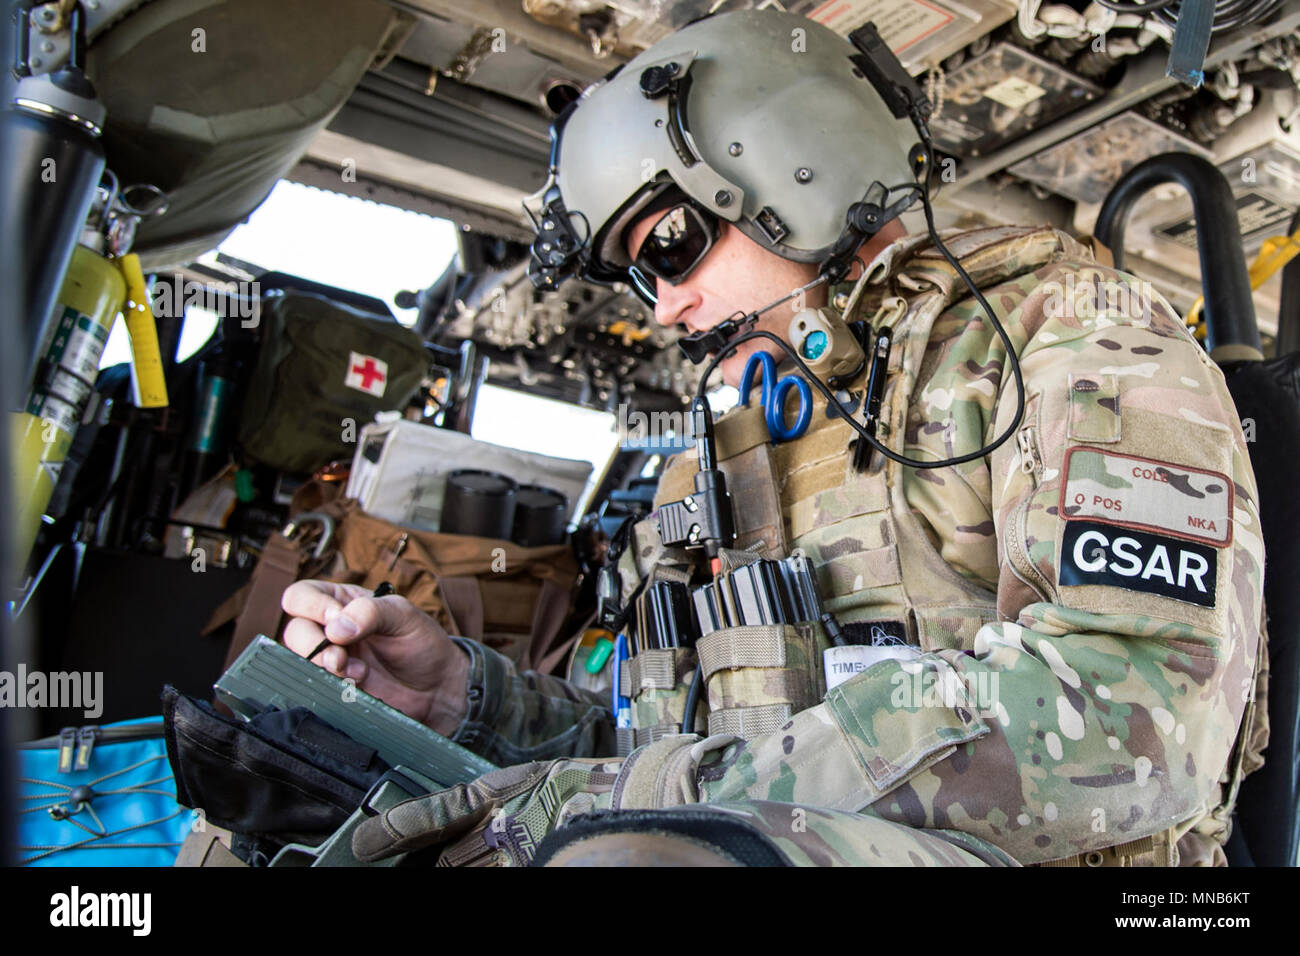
x: 95, y: 289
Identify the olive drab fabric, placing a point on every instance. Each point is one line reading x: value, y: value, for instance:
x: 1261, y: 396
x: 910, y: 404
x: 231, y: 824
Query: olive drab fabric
x: 1087, y: 600
x: 322, y: 365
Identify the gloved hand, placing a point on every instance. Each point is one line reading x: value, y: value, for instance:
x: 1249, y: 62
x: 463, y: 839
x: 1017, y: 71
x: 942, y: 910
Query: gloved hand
x: 503, y: 816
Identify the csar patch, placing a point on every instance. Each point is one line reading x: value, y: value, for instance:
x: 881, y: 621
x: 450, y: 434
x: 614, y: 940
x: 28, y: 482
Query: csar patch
x: 1096, y: 553
x: 1132, y: 492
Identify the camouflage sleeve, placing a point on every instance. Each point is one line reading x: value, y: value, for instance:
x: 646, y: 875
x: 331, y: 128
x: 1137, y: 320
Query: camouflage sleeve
x: 1121, y: 532
x: 515, y: 717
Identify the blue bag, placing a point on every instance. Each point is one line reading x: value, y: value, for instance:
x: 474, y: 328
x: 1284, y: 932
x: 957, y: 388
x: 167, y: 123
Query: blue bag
x: 100, y: 796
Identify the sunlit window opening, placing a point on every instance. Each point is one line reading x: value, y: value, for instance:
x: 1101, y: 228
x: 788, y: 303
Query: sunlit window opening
x: 343, y: 241
x: 504, y: 416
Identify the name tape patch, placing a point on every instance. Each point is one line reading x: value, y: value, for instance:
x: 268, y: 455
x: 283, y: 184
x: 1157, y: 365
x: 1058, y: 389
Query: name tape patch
x: 1097, y: 553
x: 1133, y: 492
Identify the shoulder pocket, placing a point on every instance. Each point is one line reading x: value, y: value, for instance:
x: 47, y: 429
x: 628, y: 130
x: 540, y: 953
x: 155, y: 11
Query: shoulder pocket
x: 1146, y: 525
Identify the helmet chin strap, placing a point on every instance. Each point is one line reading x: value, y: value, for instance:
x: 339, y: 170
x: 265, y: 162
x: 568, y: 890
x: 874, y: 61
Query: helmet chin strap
x: 699, y: 345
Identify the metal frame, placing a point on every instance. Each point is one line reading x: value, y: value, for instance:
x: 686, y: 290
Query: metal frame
x: 1144, y: 79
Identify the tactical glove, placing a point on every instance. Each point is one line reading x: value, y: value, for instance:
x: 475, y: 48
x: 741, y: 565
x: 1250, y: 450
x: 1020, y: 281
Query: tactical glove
x: 500, y: 818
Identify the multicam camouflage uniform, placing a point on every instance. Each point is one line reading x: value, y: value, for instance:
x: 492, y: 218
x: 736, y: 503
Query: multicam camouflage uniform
x: 1087, y: 600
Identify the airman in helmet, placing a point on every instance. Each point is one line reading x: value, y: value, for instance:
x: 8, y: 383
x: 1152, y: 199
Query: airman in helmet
x: 1026, y: 504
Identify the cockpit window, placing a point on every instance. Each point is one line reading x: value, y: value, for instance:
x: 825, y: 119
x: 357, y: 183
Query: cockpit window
x: 343, y: 241
x: 515, y: 419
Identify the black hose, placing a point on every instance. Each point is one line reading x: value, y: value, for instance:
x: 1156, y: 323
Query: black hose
x: 77, y: 39
x: 1288, y: 307
x: 692, y: 700
x: 1138, y: 8
x: 1228, y: 14
x: 1229, y: 309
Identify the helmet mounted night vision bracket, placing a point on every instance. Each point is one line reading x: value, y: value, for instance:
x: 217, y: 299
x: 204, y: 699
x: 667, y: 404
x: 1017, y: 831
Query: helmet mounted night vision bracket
x: 557, y: 251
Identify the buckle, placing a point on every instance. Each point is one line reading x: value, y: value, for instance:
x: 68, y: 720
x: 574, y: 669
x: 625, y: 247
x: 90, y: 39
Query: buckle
x: 296, y: 523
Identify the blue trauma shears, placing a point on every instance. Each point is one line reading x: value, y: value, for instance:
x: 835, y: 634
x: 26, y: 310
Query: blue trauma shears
x: 773, y: 395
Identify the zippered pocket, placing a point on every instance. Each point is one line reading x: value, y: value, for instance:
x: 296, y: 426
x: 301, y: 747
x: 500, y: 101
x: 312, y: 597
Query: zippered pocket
x: 1029, y: 461
x: 76, y: 744
x: 110, y: 734
x: 1018, y: 551
x: 1015, y: 533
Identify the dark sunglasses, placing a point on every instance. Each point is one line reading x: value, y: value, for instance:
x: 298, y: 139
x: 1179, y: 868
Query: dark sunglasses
x: 676, y: 244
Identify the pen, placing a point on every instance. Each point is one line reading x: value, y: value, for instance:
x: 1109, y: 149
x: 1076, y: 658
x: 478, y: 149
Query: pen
x: 622, y: 706
x: 871, y: 402
x: 383, y: 590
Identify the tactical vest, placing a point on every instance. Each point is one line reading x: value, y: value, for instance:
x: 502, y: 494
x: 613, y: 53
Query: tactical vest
x: 875, y: 564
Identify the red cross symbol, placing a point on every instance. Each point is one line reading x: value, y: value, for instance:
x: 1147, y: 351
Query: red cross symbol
x: 368, y: 372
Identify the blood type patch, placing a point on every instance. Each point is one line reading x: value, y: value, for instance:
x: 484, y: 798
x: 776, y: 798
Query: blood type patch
x: 1131, y: 492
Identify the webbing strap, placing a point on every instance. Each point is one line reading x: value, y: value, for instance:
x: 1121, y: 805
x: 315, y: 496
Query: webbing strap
x: 652, y: 670
x: 749, y: 722
x: 755, y: 645
x: 666, y: 572
x: 624, y: 678
x: 648, y: 735
x: 791, y: 685
x: 469, y: 851
x: 741, y: 431
x: 729, y: 559
x: 627, y: 739
x: 624, y: 740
